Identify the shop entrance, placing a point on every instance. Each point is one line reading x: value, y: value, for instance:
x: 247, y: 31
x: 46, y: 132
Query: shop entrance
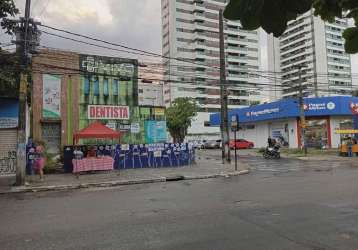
x: 51, y: 135
x: 318, y: 133
x: 279, y: 132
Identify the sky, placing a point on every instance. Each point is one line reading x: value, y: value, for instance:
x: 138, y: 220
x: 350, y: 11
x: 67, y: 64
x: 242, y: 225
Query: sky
x: 135, y: 23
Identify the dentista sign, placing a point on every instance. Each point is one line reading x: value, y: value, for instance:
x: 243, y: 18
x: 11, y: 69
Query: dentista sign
x: 105, y: 112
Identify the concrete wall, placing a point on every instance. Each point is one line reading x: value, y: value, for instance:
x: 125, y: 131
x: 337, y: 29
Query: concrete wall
x: 258, y: 135
x: 263, y: 130
x: 335, y: 124
x: 292, y: 133
x: 199, y: 131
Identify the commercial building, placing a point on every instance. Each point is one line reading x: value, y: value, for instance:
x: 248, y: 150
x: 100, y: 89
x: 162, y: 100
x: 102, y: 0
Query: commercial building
x: 72, y: 90
x: 318, y: 47
x: 153, y: 90
x: 190, y: 30
x: 280, y: 120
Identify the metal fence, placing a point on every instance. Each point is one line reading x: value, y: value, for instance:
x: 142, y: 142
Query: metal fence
x: 8, y: 164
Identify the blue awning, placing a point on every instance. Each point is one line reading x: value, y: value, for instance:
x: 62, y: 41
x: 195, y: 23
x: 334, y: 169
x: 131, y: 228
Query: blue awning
x: 289, y: 108
x: 9, y: 113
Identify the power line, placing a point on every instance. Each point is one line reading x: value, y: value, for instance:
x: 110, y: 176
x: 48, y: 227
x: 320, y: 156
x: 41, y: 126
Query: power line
x: 119, y: 45
x: 145, y: 53
x: 92, y: 44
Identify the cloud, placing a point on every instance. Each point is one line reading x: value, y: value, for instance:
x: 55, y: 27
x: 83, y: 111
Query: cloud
x: 135, y: 24
x: 75, y: 12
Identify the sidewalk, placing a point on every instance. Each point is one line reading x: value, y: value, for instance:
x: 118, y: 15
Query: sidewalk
x: 204, y: 169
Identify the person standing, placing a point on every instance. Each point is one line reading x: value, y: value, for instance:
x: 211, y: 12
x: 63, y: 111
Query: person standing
x: 350, y: 147
x: 30, y: 156
x: 40, y: 161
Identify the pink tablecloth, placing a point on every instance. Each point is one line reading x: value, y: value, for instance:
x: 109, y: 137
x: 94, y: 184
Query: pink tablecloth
x: 92, y: 164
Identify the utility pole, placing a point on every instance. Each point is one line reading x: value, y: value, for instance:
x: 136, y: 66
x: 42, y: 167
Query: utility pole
x: 302, y: 112
x: 22, y: 51
x: 225, y: 132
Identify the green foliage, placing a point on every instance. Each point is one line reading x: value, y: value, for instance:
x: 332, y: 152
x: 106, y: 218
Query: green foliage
x: 351, y: 36
x: 8, y: 75
x: 273, y: 15
x: 179, y: 116
x: 7, y: 9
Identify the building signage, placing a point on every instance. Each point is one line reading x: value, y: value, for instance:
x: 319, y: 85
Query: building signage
x: 9, y: 113
x: 159, y: 111
x: 124, y: 127
x: 8, y: 122
x: 289, y: 108
x: 346, y: 131
x: 155, y: 131
x: 235, y: 123
x: 104, y: 112
x: 111, y: 125
x: 319, y: 106
x: 111, y: 66
x: 135, y: 128
x: 51, y: 96
x: 354, y: 108
x: 262, y: 112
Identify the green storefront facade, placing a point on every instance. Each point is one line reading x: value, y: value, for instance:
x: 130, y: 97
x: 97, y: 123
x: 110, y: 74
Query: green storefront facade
x: 113, y: 82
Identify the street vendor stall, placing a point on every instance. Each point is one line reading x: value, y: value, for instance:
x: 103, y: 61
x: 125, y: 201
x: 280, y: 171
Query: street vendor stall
x: 93, y: 160
x: 347, y: 136
x: 96, y: 130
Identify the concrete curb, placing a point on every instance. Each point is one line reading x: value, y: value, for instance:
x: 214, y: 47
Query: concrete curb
x: 28, y: 189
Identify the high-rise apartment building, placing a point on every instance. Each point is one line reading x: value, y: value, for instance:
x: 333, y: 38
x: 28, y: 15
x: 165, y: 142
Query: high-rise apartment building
x: 318, y: 48
x: 190, y: 30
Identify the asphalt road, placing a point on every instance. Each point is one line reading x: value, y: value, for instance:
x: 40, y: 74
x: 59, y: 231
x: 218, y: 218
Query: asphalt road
x: 284, y: 165
x: 299, y: 209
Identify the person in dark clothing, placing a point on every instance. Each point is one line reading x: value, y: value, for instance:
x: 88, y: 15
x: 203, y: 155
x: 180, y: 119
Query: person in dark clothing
x: 269, y: 142
x: 350, y: 147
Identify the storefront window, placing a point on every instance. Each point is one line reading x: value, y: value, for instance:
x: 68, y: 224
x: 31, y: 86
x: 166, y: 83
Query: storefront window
x: 87, y: 86
x: 346, y: 124
x: 115, y: 87
x: 317, y: 133
x: 96, y: 87
x: 105, y: 87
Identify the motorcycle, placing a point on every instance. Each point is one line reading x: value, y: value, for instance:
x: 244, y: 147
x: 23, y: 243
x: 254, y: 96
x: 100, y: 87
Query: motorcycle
x: 272, y: 152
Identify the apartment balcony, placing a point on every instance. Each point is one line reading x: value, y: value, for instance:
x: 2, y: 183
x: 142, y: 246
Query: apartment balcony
x: 235, y: 49
x: 301, y: 38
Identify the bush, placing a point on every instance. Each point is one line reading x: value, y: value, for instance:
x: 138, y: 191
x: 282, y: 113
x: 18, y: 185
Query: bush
x: 261, y: 150
x: 51, y: 165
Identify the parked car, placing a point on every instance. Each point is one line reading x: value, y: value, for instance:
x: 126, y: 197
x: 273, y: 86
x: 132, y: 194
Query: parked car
x: 197, y: 144
x: 212, y: 144
x: 241, y: 144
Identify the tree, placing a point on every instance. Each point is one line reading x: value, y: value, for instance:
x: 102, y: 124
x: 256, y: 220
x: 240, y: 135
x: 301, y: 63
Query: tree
x: 179, y: 116
x: 7, y: 9
x: 273, y: 15
x: 8, y: 61
x: 9, y: 73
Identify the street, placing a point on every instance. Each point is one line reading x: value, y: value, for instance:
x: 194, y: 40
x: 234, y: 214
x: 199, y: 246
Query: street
x: 299, y: 208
